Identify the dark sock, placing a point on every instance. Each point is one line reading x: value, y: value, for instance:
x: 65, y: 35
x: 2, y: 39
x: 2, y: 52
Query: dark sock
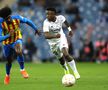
x: 21, y: 65
x: 8, y: 68
x: 21, y: 61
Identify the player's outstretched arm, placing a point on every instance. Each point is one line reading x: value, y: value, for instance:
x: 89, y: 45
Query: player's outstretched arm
x: 30, y: 23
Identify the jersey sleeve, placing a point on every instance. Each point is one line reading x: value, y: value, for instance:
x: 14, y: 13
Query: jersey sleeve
x: 27, y: 21
x: 2, y: 38
x: 45, y: 27
x: 62, y: 18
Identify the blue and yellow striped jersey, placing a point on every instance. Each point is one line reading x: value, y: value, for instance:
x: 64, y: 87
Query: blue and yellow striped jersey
x: 14, y: 25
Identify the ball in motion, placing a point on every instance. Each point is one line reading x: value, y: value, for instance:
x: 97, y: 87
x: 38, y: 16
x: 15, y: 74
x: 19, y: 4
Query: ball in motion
x: 68, y: 80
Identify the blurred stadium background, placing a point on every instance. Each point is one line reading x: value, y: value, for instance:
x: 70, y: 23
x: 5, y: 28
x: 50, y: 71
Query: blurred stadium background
x: 88, y: 18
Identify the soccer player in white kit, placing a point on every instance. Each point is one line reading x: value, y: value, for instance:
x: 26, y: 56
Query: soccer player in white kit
x: 52, y: 28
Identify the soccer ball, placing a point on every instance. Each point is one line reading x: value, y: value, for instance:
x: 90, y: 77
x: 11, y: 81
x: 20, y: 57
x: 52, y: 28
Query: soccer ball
x: 68, y: 80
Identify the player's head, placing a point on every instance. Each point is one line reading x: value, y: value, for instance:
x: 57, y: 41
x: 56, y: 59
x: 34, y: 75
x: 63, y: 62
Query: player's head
x: 51, y: 14
x: 5, y: 12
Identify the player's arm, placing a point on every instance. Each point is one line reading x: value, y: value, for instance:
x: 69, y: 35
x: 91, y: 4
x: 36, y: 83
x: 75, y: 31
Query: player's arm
x: 63, y: 20
x: 30, y: 23
x: 46, y: 32
x: 69, y: 28
x: 2, y: 38
x: 49, y: 36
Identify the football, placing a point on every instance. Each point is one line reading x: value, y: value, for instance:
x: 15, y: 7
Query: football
x: 68, y: 80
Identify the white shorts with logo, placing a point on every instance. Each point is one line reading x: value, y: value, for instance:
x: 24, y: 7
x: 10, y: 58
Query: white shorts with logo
x: 56, y: 47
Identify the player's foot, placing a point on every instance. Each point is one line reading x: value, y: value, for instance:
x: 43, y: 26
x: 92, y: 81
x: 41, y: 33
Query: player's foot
x: 24, y: 74
x: 7, y: 80
x: 77, y: 76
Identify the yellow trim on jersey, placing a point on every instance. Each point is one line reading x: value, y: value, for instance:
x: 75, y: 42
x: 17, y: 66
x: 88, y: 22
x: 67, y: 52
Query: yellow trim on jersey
x: 13, y: 26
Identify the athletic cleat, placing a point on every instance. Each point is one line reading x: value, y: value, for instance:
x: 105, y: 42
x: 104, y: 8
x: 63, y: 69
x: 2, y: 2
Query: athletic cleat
x: 77, y: 76
x: 24, y: 74
x: 7, y: 80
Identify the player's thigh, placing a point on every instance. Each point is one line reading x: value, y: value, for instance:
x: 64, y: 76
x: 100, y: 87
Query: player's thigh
x: 65, y: 51
x: 18, y: 46
x: 56, y: 51
x: 7, y: 51
x: 64, y: 46
x: 63, y: 42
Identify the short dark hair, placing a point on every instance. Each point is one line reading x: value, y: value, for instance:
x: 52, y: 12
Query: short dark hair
x: 51, y: 9
x: 5, y: 12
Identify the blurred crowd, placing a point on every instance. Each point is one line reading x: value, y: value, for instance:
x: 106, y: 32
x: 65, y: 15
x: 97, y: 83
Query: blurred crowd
x: 88, y: 19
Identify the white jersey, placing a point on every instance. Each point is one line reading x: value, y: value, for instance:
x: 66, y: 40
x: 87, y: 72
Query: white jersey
x: 56, y: 28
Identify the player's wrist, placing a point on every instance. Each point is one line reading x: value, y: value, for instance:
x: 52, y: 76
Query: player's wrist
x: 37, y: 32
x: 69, y: 28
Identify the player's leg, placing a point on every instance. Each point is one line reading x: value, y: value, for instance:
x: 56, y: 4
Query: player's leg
x: 71, y: 62
x: 64, y: 65
x: 56, y: 50
x: 20, y: 57
x: 8, y: 56
x: 69, y: 58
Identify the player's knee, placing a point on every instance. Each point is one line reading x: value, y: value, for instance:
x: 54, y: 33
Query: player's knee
x: 68, y: 58
x: 19, y: 53
x: 18, y: 49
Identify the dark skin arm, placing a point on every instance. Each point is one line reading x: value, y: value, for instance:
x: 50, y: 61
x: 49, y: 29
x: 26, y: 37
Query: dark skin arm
x: 67, y: 25
x: 70, y: 34
x: 49, y: 36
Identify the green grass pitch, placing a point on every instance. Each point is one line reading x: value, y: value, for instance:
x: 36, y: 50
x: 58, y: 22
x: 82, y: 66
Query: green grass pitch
x: 48, y: 77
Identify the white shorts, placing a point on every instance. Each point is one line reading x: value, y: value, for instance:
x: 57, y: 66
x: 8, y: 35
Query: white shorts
x: 56, y: 47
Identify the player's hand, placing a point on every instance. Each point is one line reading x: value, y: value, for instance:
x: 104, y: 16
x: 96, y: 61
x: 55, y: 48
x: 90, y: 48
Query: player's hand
x: 12, y: 32
x: 58, y: 36
x: 70, y: 33
x: 37, y: 32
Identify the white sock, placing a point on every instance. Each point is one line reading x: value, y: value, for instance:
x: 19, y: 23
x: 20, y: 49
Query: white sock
x: 66, y: 69
x: 66, y: 66
x: 73, y: 66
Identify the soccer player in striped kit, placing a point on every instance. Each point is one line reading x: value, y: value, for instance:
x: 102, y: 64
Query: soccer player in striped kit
x: 10, y: 35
